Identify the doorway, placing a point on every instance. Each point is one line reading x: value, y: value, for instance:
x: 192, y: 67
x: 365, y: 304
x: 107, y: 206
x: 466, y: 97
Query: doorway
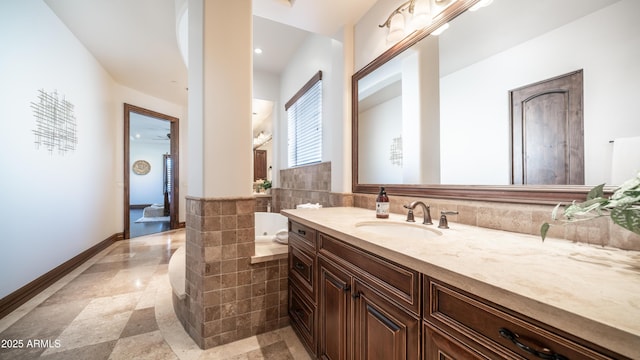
x: 159, y: 160
x: 547, y: 140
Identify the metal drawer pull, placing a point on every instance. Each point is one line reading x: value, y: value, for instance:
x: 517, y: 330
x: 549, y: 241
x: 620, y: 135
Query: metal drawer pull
x: 299, y: 265
x: 547, y: 355
x: 302, y: 232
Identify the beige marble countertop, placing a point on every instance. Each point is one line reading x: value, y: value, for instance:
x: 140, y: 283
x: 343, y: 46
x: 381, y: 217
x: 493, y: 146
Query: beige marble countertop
x: 269, y: 250
x: 589, y: 291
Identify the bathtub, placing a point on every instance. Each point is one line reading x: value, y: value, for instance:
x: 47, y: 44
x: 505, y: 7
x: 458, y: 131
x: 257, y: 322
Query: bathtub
x: 268, y: 224
x: 267, y: 246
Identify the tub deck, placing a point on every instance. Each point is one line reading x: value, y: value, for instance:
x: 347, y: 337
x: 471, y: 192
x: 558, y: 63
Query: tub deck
x: 269, y: 250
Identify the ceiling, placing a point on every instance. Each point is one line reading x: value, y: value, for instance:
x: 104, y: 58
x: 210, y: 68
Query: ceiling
x: 135, y: 40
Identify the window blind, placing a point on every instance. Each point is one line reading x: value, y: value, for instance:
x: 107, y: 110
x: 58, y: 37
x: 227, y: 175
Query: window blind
x: 304, y: 115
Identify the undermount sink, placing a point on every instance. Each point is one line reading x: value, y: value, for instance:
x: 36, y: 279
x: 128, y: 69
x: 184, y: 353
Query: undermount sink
x: 404, y: 230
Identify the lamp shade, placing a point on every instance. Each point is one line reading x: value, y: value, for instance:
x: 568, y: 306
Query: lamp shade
x: 396, y: 28
x: 421, y: 14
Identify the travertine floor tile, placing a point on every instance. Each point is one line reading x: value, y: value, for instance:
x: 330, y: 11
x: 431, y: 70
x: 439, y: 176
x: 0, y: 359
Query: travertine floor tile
x: 91, y: 331
x: 141, y: 321
x: 100, y: 351
x: 118, y: 305
x: 149, y: 346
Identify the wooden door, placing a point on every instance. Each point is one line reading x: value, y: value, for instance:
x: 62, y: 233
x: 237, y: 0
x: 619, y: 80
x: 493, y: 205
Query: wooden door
x: 382, y: 329
x: 334, y: 307
x: 547, y: 132
x: 259, y: 164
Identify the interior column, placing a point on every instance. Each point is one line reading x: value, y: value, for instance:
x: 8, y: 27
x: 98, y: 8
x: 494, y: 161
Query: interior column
x: 220, y: 207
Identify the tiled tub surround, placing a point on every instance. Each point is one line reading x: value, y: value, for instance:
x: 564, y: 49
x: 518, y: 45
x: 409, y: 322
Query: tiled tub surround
x: 262, y: 202
x: 589, y: 291
x: 226, y: 296
x: 307, y: 184
x: 518, y: 218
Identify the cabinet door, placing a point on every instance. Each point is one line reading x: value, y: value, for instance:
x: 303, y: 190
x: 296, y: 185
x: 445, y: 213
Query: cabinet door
x: 382, y: 329
x: 334, y: 307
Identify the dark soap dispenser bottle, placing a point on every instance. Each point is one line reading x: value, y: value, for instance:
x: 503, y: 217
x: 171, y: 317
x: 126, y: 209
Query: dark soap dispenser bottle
x: 382, y: 205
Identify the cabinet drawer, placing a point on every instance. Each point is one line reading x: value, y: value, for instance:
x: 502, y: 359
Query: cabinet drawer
x: 302, y: 269
x: 395, y: 281
x: 505, y: 333
x: 303, y: 317
x: 303, y: 233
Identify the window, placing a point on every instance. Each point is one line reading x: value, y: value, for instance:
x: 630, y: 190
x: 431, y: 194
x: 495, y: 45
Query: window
x: 304, y: 114
x: 167, y: 181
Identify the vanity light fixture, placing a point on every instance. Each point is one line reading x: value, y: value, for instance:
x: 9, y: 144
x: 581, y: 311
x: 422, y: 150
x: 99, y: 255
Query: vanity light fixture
x: 440, y: 30
x: 416, y: 11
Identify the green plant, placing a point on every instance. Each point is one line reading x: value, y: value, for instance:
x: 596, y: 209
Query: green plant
x: 623, y: 207
x: 266, y: 184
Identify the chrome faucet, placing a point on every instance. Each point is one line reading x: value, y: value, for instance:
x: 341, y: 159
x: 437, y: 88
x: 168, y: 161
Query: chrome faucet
x: 426, y: 210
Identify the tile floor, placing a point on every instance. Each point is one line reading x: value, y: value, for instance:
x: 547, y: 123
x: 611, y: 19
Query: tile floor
x: 118, y: 305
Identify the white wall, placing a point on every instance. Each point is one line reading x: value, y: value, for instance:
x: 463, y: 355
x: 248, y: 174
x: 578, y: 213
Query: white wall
x: 56, y: 206
x: 316, y: 53
x: 148, y: 188
x: 377, y: 129
x: 370, y: 40
x: 53, y: 206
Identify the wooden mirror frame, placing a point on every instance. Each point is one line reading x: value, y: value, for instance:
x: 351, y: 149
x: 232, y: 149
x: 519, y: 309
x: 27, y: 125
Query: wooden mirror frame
x: 528, y: 194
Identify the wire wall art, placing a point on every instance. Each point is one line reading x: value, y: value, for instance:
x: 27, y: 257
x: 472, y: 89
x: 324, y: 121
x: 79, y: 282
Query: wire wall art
x: 395, y: 151
x: 56, y: 127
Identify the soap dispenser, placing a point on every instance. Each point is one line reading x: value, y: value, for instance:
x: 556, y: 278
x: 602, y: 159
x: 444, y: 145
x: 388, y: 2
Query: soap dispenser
x: 382, y: 204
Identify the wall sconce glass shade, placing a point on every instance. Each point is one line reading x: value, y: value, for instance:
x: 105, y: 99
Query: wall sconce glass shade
x: 396, y: 28
x: 421, y: 14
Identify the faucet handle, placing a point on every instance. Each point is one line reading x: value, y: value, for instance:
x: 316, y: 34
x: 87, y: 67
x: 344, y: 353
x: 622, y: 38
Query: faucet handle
x: 444, y: 224
x: 410, y: 217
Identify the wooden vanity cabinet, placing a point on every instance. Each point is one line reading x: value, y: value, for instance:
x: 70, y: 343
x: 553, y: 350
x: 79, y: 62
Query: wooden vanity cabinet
x: 302, y: 283
x: 367, y: 305
x: 461, y: 325
x: 346, y: 303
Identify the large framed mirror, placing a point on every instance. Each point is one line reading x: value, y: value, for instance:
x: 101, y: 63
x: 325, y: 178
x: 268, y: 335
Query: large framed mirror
x: 432, y: 116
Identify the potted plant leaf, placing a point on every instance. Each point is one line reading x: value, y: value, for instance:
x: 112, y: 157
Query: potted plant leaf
x: 623, y: 206
x: 266, y: 185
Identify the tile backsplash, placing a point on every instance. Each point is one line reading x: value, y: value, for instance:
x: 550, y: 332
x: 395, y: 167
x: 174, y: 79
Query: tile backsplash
x: 312, y: 184
x: 308, y: 184
x: 520, y: 218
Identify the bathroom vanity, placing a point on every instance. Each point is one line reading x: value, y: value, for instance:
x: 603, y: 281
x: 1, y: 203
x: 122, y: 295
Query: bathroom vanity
x: 367, y: 288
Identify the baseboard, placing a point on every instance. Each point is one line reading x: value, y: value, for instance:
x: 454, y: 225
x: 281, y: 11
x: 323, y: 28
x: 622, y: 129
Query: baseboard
x: 25, y: 293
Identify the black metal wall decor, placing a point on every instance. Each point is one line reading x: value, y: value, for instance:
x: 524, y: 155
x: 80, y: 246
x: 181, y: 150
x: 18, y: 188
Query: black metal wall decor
x: 56, y: 127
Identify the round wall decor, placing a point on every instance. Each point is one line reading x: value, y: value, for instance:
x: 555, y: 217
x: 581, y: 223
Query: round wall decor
x: 141, y: 167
